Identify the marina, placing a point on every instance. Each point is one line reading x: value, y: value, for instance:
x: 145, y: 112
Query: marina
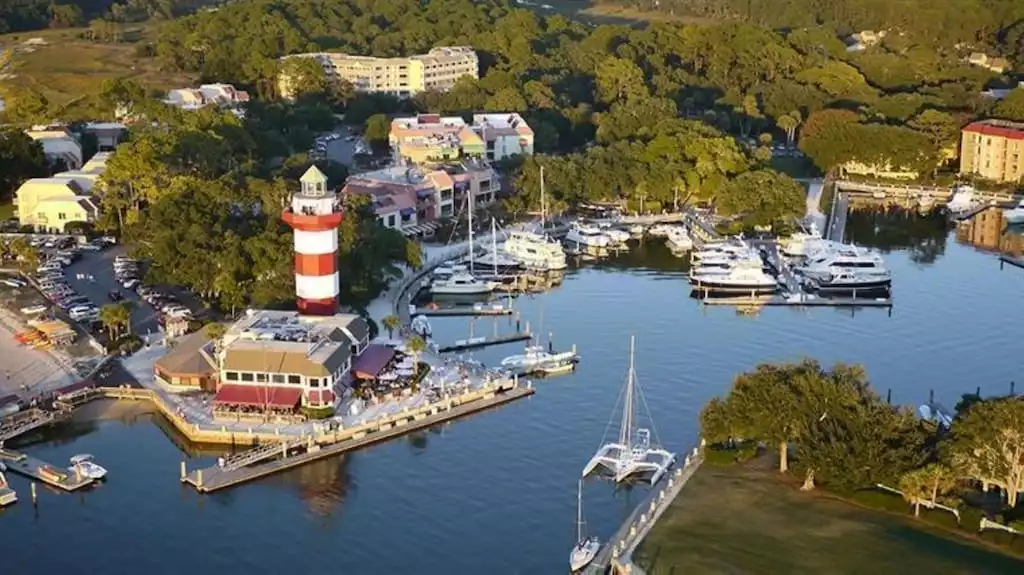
x: 39, y: 470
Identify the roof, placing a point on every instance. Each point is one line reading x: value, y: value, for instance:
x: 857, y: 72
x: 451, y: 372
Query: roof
x: 313, y: 175
x: 998, y: 128
x: 257, y: 356
x: 275, y: 396
x: 185, y: 358
x: 372, y: 361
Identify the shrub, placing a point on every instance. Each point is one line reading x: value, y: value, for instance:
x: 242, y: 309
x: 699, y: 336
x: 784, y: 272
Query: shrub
x: 722, y: 455
x: 318, y: 412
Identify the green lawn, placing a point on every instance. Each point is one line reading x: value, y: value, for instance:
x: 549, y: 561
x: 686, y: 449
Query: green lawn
x: 742, y: 520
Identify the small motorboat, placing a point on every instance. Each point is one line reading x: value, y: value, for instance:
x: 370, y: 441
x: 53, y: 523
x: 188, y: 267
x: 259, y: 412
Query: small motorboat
x: 535, y: 357
x: 84, y: 466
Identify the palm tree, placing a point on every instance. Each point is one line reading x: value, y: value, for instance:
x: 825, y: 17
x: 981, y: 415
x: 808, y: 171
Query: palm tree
x: 392, y: 322
x: 788, y: 124
x: 416, y: 346
x: 113, y: 317
x: 915, y: 488
x: 126, y: 318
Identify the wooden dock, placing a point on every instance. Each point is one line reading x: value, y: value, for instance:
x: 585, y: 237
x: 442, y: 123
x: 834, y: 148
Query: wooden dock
x: 1015, y: 261
x: 779, y: 301
x: 483, y: 311
x: 60, y: 477
x: 216, y: 478
x: 481, y: 342
x: 26, y: 421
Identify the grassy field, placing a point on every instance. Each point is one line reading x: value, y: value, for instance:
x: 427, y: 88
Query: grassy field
x: 744, y: 520
x: 69, y: 70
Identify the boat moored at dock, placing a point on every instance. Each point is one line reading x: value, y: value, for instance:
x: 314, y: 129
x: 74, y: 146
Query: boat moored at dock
x: 586, y: 548
x: 678, y: 239
x: 585, y: 235
x: 535, y: 358
x: 85, y: 466
x: 7, y: 495
x: 535, y: 251
x: 744, y: 279
x: 462, y: 283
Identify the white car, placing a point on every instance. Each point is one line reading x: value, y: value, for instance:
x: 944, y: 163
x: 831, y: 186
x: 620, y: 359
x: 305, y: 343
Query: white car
x: 34, y: 309
x: 91, y: 247
x: 181, y: 313
x: 14, y: 283
x: 130, y: 283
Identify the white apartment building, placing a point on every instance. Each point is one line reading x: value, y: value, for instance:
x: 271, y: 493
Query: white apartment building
x: 438, y: 69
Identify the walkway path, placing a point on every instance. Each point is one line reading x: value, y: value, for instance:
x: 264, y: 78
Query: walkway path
x: 814, y: 216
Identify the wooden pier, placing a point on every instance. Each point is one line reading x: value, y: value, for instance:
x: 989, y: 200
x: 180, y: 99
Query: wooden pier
x: 483, y: 311
x: 59, y: 477
x: 216, y: 478
x: 481, y: 342
x: 780, y: 301
x: 30, y: 420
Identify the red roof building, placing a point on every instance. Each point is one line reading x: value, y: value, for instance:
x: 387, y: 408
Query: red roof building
x: 992, y: 149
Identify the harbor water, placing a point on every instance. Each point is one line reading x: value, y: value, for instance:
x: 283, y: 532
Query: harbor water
x: 496, y: 492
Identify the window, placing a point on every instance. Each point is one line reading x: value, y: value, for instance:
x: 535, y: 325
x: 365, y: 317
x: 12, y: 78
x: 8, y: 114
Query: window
x: 294, y: 379
x: 247, y: 377
x: 231, y: 376
x: 277, y: 378
x: 314, y: 382
x: 261, y: 377
x: 485, y: 185
x: 62, y: 216
x: 391, y: 221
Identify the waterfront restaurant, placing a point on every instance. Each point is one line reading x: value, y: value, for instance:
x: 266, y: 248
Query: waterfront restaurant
x: 373, y: 362
x: 190, y: 363
x: 272, y: 362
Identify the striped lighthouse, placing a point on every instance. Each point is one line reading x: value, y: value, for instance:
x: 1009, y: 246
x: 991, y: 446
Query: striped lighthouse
x: 315, y: 215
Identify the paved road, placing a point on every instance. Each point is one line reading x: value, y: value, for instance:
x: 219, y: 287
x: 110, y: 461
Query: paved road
x: 340, y: 150
x: 100, y: 266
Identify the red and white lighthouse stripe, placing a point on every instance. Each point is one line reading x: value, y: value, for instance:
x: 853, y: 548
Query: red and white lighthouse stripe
x: 316, y: 261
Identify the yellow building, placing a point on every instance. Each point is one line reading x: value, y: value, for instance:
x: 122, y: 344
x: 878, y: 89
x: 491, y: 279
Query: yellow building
x: 431, y: 138
x: 992, y: 149
x: 438, y: 69
x: 49, y: 204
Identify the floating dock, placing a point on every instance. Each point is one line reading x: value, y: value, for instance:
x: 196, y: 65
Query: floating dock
x: 37, y: 469
x: 7, y: 496
x: 481, y: 342
x: 780, y: 301
x: 483, y: 311
x: 1015, y: 261
x: 216, y: 478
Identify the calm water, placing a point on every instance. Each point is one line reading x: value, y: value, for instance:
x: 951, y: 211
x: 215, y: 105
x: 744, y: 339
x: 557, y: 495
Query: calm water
x: 495, y: 493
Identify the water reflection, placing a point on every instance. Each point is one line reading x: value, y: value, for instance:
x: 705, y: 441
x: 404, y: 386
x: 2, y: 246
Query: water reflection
x: 889, y: 227
x: 988, y: 231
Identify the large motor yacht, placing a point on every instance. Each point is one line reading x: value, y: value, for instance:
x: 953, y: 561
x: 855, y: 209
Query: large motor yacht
x: 738, y: 280
x: 848, y: 280
x: 800, y: 243
x: 535, y: 251
x: 824, y: 263
x: 586, y: 235
x: 678, y: 238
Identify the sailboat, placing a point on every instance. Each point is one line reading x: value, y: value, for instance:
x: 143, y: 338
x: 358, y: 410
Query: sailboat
x: 633, y: 454
x: 463, y: 282
x: 586, y: 548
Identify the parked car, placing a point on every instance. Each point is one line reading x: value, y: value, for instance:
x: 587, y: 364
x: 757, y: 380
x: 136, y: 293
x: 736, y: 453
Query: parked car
x: 91, y: 247
x: 13, y: 283
x: 130, y: 283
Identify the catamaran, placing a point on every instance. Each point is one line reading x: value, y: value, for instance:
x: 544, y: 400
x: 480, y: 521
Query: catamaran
x: 586, y: 548
x: 633, y: 454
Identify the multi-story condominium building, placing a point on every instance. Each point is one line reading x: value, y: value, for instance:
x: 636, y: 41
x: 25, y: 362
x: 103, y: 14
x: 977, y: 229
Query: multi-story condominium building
x: 430, y: 138
x: 438, y: 69
x: 411, y: 200
x: 50, y: 204
x: 992, y: 149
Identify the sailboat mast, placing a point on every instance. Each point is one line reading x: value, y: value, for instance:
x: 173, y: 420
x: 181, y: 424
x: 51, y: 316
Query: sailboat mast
x: 469, y: 202
x: 626, y: 433
x: 494, y: 246
x: 579, y: 511
x: 543, y: 205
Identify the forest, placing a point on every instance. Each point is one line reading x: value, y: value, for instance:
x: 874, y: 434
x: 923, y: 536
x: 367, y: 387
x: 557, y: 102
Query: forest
x: 995, y: 24
x: 24, y: 15
x: 829, y: 428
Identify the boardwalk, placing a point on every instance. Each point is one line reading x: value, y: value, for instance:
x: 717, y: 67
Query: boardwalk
x: 217, y: 478
x: 481, y: 341
x: 837, y: 219
x: 618, y: 552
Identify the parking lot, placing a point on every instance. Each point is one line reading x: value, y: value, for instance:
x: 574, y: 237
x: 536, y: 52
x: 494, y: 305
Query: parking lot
x: 93, y: 276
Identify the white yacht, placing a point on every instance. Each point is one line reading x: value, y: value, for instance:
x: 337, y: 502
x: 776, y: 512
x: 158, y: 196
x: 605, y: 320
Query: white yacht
x: 797, y: 244
x: 85, y: 466
x: 723, y: 266
x: 536, y: 357
x: 659, y: 230
x: 962, y: 201
x: 678, y: 238
x: 725, y: 249
x: 586, y: 235
x: 535, y: 251
x: 824, y: 262
x: 461, y: 283
x: 1015, y: 215
x: 840, y: 279
x: 636, y: 231
x: 738, y: 280
x: 496, y: 259
x: 586, y: 548
x: 615, y: 235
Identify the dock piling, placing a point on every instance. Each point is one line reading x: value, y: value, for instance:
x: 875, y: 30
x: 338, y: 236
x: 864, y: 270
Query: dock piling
x: 199, y: 477
x: 184, y: 471
x: 34, y: 495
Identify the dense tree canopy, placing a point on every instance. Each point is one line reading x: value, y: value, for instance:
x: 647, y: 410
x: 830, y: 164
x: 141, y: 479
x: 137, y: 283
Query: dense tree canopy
x: 19, y: 15
x: 22, y: 158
